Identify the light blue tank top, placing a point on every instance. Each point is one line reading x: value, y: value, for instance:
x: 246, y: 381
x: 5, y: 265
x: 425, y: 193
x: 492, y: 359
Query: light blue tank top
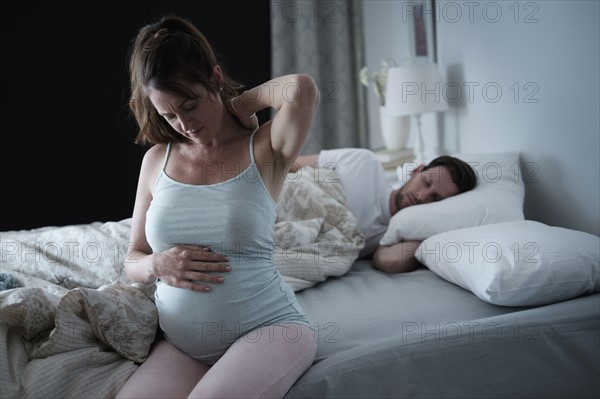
x: 235, y: 217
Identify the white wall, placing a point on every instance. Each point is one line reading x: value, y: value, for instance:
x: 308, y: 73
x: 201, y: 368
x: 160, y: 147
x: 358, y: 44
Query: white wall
x: 386, y: 36
x: 529, y: 75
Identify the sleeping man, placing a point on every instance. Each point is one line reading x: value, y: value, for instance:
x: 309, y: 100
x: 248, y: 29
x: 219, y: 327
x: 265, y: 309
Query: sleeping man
x: 373, y: 201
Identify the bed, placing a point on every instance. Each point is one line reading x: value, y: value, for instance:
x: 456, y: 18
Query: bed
x: 503, y: 306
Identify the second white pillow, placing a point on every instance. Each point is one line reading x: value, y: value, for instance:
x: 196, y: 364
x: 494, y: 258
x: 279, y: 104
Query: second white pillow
x: 521, y: 263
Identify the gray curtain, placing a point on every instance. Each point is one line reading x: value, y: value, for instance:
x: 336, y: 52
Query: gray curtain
x: 325, y: 40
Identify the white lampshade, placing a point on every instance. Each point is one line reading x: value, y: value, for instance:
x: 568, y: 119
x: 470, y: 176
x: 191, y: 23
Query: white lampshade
x: 414, y: 90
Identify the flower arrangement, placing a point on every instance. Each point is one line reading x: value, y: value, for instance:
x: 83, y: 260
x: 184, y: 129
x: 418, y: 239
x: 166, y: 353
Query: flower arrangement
x: 377, y: 78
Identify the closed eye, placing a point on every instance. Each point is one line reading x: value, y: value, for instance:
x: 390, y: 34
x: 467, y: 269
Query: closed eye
x: 190, y: 107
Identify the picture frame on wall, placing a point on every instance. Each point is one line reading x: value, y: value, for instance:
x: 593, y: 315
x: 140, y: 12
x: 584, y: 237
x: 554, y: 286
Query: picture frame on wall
x: 420, y: 16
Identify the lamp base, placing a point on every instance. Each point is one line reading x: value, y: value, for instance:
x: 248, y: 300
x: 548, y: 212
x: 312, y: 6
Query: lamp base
x: 395, y: 130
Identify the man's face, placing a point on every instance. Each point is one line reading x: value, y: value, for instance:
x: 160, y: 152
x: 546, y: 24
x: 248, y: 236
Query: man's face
x: 427, y: 186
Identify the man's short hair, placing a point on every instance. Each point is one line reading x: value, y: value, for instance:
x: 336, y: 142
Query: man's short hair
x: 461, y: 173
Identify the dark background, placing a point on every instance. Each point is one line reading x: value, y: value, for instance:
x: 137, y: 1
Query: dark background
x: 67, y: 151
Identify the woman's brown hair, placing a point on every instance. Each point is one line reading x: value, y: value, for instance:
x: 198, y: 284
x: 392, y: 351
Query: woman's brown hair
x: 171, y: 55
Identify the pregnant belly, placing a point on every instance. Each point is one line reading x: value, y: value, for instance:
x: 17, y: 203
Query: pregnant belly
x: 222, y: 304
x: 205, y: 324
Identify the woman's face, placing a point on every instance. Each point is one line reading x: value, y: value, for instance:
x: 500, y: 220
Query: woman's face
x: 197, y: 119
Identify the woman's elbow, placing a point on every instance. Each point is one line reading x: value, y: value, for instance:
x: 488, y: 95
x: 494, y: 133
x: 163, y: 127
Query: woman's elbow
x: 307, y: 89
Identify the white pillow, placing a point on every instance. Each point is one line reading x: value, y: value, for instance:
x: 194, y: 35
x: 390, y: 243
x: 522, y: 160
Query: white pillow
x: 497, y: 197
x: 521, y: 263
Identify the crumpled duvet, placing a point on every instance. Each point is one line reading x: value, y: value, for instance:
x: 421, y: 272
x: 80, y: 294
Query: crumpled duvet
x: 316, y: 235
x: 83, y: 344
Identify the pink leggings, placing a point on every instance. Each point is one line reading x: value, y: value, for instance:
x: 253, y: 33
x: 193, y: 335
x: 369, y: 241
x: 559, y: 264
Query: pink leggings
x: 265, y: 363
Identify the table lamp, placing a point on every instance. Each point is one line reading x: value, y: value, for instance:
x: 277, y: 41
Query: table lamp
x: 414, y: 90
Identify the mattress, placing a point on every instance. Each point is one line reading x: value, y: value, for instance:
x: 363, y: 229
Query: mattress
x: 417, y: 335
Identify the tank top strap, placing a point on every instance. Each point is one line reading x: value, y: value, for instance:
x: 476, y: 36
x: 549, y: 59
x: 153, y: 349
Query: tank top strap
x: 162, y: 171
x: 166, y: 156
x: 252, y: 145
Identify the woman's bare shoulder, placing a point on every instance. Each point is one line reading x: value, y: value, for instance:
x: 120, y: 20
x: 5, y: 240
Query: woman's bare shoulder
x: 152, y: 163
x: 154, y: 155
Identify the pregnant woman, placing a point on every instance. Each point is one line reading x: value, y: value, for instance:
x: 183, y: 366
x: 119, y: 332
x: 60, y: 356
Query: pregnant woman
x: 202, y: 226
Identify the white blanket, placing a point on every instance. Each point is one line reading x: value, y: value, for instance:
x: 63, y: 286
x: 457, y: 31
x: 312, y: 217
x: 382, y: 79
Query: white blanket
x: 80, y: 326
